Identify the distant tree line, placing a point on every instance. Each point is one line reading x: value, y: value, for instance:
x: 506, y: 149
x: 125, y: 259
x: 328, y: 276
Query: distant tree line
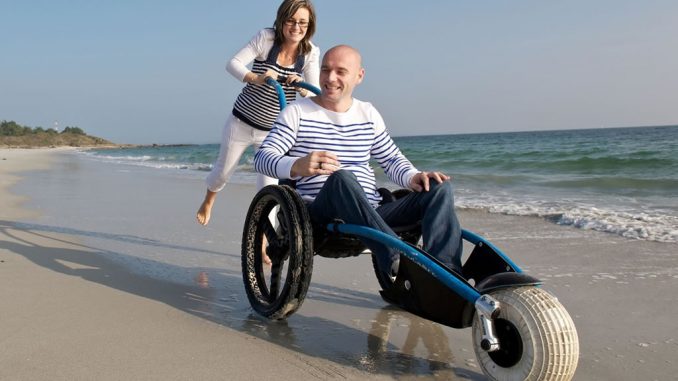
x: 12, y: 128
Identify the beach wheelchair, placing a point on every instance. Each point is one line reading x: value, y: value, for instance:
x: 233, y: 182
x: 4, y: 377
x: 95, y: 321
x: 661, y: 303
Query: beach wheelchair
x: 520, y: 331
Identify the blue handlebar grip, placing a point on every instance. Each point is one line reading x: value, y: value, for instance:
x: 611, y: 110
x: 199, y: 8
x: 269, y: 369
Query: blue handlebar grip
x: 282, y: 100
x: 309, y: 87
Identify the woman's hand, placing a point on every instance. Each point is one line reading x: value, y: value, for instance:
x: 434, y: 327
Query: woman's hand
x: 292, y: 79
x: 260, y: 79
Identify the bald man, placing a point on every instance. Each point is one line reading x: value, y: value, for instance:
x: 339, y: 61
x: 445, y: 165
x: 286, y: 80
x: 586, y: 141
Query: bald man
x: 325, y: 143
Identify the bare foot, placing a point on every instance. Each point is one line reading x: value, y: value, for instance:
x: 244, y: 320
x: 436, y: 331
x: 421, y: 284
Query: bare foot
x: 203, y: 215
x: 205, y: 211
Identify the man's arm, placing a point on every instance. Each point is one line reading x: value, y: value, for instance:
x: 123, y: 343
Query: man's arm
x: 271, y: 158
x: 384, y: 150
x: 398, y: 168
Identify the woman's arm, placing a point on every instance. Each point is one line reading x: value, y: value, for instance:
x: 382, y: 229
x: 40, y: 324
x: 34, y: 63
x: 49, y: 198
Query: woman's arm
x: 311, y: 69
x: 237, y: 66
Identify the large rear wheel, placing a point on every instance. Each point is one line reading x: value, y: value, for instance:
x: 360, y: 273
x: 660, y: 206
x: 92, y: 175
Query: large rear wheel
x: 537, y: 338
x: 277, y: 222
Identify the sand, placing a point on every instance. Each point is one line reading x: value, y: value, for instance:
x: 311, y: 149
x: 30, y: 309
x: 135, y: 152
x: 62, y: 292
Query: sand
x: 104, y: 274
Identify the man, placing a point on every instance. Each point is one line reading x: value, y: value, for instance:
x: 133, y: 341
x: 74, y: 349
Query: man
x: 325, y: 144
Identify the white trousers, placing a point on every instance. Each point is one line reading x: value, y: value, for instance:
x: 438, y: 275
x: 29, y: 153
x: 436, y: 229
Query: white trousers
x: 236, y: 137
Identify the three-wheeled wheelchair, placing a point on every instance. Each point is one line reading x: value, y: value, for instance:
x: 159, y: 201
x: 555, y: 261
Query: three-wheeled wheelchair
x: 520, y: 331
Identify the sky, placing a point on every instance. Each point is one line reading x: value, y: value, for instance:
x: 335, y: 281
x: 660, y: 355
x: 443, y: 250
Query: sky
x: 153, y: 72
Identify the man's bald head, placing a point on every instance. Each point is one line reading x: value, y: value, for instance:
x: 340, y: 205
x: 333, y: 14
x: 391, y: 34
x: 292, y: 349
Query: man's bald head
x: 341, y: 71
x: 348, y: 52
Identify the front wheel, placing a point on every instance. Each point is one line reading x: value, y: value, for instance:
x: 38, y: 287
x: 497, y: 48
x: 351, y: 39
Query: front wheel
x: 537, y: 338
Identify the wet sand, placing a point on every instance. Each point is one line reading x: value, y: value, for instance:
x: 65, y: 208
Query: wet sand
x: 104, y: 274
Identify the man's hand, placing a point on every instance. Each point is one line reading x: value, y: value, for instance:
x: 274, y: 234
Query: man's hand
x: 315, y: 163
x: 420, y: 182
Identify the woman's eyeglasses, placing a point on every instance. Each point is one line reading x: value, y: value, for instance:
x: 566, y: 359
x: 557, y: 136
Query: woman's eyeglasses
x: 302, y: 24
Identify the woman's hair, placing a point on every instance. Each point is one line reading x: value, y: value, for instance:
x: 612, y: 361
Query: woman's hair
x: 285, y: 12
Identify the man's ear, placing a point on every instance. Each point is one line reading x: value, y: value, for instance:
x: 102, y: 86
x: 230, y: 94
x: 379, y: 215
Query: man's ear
x: 361, y: 75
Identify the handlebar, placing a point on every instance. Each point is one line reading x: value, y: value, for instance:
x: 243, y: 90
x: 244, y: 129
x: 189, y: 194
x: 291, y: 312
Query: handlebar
x: 282, y: 99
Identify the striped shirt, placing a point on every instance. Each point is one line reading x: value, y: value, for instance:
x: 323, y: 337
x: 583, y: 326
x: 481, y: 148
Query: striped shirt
x: 257, y: 105
x: 354, y: 136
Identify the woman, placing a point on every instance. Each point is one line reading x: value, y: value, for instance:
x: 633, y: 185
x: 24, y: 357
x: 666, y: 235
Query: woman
x: 284, y: 51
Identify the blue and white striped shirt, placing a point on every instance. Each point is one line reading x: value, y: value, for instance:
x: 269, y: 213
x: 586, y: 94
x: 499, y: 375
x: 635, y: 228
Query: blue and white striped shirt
x: 257, y: 105
x: 354, y: 136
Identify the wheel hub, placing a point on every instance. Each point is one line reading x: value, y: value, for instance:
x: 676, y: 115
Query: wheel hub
x: 510, y: 344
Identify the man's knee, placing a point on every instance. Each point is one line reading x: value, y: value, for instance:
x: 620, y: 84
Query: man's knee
x: 441, y: 195
x: 342, y: 176
x: 445, y: 188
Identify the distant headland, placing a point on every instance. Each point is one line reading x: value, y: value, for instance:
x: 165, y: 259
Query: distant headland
x: 14, y: 135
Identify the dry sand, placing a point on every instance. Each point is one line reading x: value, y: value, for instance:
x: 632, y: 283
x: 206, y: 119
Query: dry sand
x: 104, y: 274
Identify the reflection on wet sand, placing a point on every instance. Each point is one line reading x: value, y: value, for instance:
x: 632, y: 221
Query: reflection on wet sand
x: 424, y: 350
x: 202, y: 279
x: 397, y: 344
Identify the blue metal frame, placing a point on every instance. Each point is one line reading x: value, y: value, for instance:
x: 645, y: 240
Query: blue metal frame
x: 460, y: 286
x: 476, y: 239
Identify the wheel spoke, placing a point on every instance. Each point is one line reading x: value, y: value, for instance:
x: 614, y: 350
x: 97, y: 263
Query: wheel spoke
x: 269, y: 231
x: 275, y: 280
x: 277, y: 241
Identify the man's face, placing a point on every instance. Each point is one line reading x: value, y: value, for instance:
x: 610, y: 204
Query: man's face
x: 339, y: 74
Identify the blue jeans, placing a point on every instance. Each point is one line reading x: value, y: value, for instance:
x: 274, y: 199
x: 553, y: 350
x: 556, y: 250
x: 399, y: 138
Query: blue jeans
x: 342, y: 197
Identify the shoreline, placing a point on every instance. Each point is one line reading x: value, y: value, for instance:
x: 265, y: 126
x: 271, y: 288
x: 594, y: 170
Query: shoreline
x: 14, y: 163
x: 630, y: 213
x: 165, y: 295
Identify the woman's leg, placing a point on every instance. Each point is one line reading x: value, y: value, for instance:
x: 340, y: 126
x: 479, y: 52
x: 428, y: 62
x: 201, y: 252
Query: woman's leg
x: 258, y: 137
x: 236, y: 137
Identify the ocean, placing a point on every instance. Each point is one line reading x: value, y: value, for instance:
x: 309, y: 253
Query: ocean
x: 621, y: 181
